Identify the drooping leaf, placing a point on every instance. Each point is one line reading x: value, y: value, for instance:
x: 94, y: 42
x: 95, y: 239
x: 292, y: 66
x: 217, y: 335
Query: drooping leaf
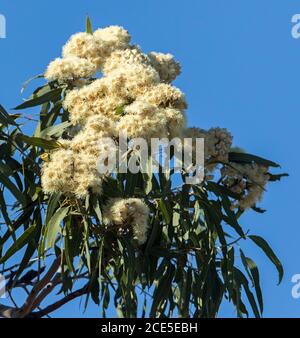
x: 259, y: 241
x: 12, y: 188
x: 19, y: 243
x: 53, y: 226
x: 253, y: 272
x: 165, y: 210
x: 161, y: 292
x: 244, y: 282
x: 26, y: 83
x: 5, y: 118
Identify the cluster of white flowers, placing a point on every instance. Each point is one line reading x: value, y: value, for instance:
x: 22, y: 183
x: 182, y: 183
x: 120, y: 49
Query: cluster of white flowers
x: 70, y: 68
x: 57, y: 174
x: 247, y: 180
x: 217, y: 144
x: 128, y: 214
x: 168, y: 68
x: 134, y: 95
x: 132, y: 82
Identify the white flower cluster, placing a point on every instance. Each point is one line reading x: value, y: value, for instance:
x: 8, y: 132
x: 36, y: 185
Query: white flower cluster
x: 217, y: 144
x: 128, y: 214
x: 76, y: 164
x: 134, y: 95
x: 132, y: 82
x: 247, y: 180
x: 70, y: 68
x: 168, y: 68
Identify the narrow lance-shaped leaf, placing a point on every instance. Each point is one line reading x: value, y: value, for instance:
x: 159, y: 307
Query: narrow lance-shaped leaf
x: 5, y: 118
x: 253, y: 273
x: 51, y: 95
x: 244, y: 282
x: 161, y: 292
x: 54, y: 225
x: 18, y: 245
x: 26, y: 83
x: 164, y: 209
x: 249, y: 158
x: 259, y: 241
x: 56, y: 130
x: 89, y: 28
x: 12, y: 188
x: 40, y: 142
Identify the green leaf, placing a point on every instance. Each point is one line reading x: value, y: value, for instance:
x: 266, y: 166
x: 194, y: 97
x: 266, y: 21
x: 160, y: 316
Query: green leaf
x: 242, y: 280
x: 273, y: 178
x: 20, y: 242
x: 5, y: 118
x: 89, y: 28
x: 86, y: 244
x: 52, y: 205
x: 67, y: 250
x: 164, y: 209
x: 12, y: 188
x: 259, y: 241
x: 26, y: 83
x: 147, y: 175
x: 54, y: 225
x: 162, y: 290
x: 56, y: 130
x: 253, y: 273
x: 32, y: 245
x: 23, y: 219
x: 186, y: 293
x: 231, y: 218
x: 51, y: 95
x: 131, y: 183
x: 258, y: 210
x: 155, y: 232
x: 120, y: 110
x: 220, y: 189
x: 4, y: 212
x: 96, y: 207
x: 39, y: 142
x: 248, y: 158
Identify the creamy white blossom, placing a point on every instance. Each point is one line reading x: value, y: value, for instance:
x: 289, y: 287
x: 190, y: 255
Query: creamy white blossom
x: 248, y: 180
x: 168, y: 68
x: 133, y: 95
x: 70, y: 68
x: 128, y: 214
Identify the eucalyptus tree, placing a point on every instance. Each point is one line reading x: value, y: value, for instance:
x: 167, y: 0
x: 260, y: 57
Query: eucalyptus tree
x: 62, y: 241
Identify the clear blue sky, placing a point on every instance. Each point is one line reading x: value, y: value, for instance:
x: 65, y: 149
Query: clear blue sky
x: 240, y: 70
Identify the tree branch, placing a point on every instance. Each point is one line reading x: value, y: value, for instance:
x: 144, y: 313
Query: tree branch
x: 27, y: 307
x: 45, y: 292
x: 8, y: 312
x: 59, y: 303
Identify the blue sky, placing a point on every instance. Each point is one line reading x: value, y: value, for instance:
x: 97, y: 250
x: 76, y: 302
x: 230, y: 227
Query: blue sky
x: 240, y: 69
